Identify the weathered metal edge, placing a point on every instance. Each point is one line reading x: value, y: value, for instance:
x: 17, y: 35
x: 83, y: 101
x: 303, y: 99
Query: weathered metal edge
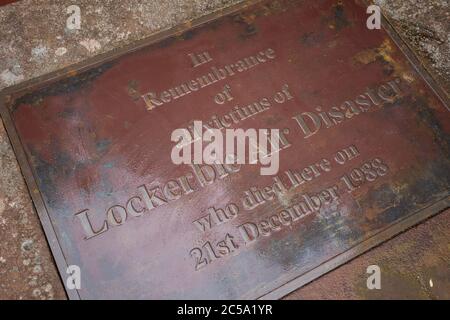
x: 90, y: 63
x: 34, y: 192
x: 415, y: 62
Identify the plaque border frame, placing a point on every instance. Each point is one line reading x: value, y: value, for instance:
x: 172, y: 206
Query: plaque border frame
x: 261, y: 292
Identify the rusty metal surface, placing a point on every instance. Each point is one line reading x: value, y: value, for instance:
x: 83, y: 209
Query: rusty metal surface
x: 90, y: 143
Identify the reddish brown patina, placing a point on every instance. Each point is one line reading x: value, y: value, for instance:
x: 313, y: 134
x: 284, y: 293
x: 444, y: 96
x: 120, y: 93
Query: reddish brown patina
x: 5, y: 2
x: 365, y: 154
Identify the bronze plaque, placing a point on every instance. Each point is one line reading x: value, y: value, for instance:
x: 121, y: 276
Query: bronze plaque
x: 363, y: 153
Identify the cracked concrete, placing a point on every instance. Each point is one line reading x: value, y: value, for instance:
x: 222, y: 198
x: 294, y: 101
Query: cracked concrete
x: 34, y: 40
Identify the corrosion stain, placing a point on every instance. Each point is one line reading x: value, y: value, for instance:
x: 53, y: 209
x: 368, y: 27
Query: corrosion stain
x: 247, y: 21
x: 338, y: 20
x: 432, y: 123
x: 310, y: 39
x: 247, y: 18
x: 49, y: 171
x: 409, y: 193
x: 133, y: 89
x: 366, y: 56
x: 65, y: 86
x: 384, y: 54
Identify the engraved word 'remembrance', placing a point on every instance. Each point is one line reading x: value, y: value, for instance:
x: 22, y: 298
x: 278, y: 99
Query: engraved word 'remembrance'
x: 153, y: 99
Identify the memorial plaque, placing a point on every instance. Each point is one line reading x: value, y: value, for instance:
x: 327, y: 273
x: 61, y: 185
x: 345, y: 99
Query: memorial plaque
x: 363, y: 153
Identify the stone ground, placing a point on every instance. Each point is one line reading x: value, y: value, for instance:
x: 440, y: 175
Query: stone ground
x: 34, y: 41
